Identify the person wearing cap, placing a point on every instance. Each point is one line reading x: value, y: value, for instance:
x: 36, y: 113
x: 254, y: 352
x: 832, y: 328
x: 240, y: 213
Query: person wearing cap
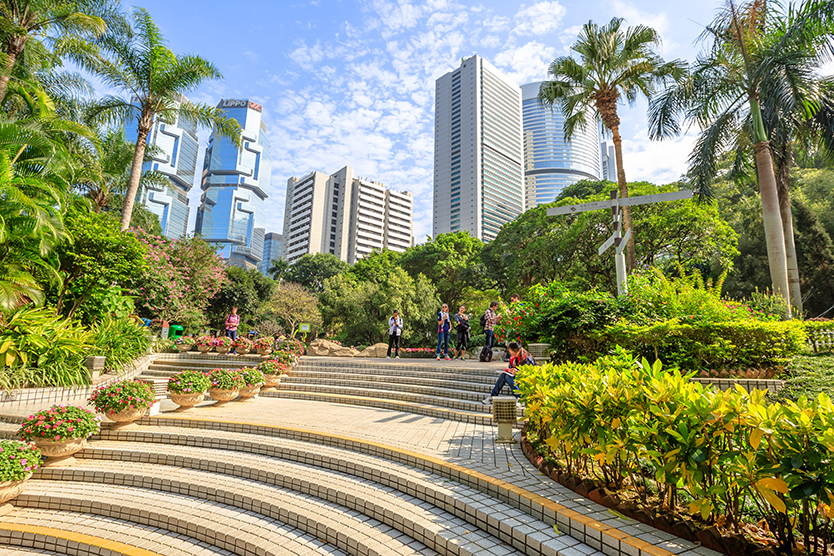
x: 395, y: 330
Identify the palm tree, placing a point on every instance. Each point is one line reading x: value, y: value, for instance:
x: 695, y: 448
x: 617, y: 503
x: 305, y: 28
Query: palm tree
x: 278, y: 268
x: 756, y: 61
x: 25, y: 22
x: 156, y: 79
x: 613, y: 63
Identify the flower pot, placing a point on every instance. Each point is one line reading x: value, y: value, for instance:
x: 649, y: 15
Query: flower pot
x: 264, y: 351
x: 204, y: 349
x: 126, y: 417
x: 187, y: 401
x: 242, y: 351
x: 222, y: 396
x: 183, y: 348
x: 59, y: 452
x: 271, y: 381
x: 248, y: 393
x: 223, y: 349
x: 10, y: 490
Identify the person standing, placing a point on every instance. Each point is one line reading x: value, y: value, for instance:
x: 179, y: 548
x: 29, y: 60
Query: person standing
x: 462, y: 324
x: 490, y: 319
x: 395, y: 329
x: 444, y: 325
x: 232, y: 322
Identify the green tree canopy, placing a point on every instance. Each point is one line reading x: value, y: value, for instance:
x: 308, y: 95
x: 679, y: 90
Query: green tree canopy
x: 290, y: 305
x: 247, y: 290
x: 312, y: 270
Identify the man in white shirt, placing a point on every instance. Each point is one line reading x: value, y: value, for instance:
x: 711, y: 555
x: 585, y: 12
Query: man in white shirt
x: 395, y: 330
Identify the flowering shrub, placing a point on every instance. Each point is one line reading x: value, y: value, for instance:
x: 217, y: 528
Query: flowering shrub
x: 204, y: 341
x: 60, y: 422
x: 188, y: 382
x: 121, y: 395
x: 292, y: 346
x: 223, y: 341
x: 265, y: 342
x: 184, y: 341
x: 244, y: 343
x: 417, y: 352
x: 251, y: 376
x: 273, y: 366
x: 224, y: 379
x: 17, y: 460
x: 284, y: 357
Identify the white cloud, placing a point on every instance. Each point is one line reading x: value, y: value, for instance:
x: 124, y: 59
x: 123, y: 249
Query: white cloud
x: 251, y: 56
x: 526, y: 63
x: 540, y: 18
x: 656, y: 161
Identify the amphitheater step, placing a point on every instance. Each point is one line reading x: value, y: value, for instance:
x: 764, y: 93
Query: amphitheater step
x: 437, y: 388
x: 394, y: 376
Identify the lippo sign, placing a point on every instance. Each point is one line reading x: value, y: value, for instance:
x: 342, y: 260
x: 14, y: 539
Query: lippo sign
x: 233, y: 103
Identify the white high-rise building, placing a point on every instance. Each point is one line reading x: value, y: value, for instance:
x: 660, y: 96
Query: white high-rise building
x: 609, y: 161
x: 478, y: 156
x: 344, y: 215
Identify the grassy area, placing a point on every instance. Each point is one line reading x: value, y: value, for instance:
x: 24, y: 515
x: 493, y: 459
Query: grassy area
x: 810, y: 374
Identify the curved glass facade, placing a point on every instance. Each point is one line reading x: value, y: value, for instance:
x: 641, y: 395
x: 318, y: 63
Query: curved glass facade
x: 551, y: 163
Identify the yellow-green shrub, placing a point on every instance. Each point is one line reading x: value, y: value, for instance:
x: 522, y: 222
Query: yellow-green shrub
x: 634, y: 426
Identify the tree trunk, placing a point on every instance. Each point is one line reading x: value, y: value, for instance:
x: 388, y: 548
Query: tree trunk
x: 622, y: 185
x: 135, y: 176
x: 14, y: 47
x: 783, y: 188
x: 774, y: 234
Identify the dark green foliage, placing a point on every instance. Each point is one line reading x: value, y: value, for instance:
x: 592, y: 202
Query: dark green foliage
x: 312, y: 270
x: 247, y: 290
x: 120, y: 340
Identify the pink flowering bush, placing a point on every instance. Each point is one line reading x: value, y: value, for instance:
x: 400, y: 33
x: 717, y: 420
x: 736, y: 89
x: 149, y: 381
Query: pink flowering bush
x: 60, y: 422
x: 274, y: 366
x: 244, y: 343
x: 184, y: 341
x: 121, y: 395
x: 251, y: 376
x: 284, y: 357
x: 292, y: 346
x: 223, y: 341
x: 204, y: 341
x: 265, y: 342
x: 188, y: 382
x: 225, y: 379
x: 17, y: 460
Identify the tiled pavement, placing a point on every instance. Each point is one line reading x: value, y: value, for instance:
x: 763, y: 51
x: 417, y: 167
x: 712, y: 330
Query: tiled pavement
x: 288, y: 476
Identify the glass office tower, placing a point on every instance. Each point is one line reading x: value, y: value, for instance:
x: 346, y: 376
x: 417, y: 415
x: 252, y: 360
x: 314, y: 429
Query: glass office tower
x: 235, y: 184
x: 176, y: 159
x: 272, y: 251
x: 550, y: 162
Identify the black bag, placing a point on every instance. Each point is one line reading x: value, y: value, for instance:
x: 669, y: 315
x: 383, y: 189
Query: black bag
x: 486, y: 355
x: 483, y: 320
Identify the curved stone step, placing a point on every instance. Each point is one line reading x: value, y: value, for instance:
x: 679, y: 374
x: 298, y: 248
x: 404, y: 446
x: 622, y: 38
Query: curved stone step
x: 437, y: 388
x: 387, y: 375
x: 109, y: 529
x: 231, y: 516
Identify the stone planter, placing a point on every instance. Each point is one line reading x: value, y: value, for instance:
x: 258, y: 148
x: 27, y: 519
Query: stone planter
x: 271, y: 381
x: 204, y: 349
x: 223, y: 349
x: 182, y: 348
x: 10, y: 490
x: 540, y: 352
x: 248, y: 393
x: 59, y: 452
x: 222, y: 396
x: 242, y: 351
x: 264, y: 351
x: 126, y: 417
x: 187, y: 401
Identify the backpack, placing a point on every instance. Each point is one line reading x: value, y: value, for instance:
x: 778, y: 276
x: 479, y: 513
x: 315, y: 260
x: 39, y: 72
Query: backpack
x: 483, y: 320
x: 486, y: 355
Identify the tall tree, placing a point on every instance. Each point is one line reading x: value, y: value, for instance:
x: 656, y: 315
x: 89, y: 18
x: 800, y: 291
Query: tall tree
x: 754, y: 59
x: 613, y: 63
x: 140, y: 64
x: 312, y: 270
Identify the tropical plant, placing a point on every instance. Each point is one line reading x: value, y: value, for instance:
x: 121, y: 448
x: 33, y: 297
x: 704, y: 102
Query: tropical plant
x: 188, y: 382
x: 120, y: 395
x: 613, y: 63
x: 224, y: 379
x: 184, y: 341
x: 251, y: 376
x: 244, y: 343
x: 142, y: 65
x: 120, y: 341
x: 278, y: 268
x: 19, y: 460
x: 60, y: 422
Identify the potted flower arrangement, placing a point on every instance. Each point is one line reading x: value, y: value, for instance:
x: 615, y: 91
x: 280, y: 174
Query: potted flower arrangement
x: 254, y: 379
x: 188, y: 388
x: 273, y: 368
x: 184, y: 343
x: 243, y: 346
x: 204, y: 344
x: 123, y: 401
x: 292, y: 346
x: 264, y: 345
x: 60, y: 431
x: 19, y: 460
x: 223, y: 344
x: 224, y: 385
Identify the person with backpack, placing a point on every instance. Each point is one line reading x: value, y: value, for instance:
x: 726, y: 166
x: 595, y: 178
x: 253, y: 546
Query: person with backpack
x: 444, y: 325
x: 488, y: 321
x: 395, y: 330
x: 518, y: 357
x: 462, y: 322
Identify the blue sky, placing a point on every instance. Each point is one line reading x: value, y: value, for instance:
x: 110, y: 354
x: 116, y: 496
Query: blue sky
x: 351, y: 82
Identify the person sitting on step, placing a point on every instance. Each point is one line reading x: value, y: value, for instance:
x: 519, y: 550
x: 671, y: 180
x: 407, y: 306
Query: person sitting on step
x: 518, y: 357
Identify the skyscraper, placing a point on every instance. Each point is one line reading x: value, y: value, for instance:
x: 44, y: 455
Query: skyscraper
x: 609, y: 161
x: 176, y: 159
x: 272, y: 251
x: 235, y: 184
x: 478, y: 173
x: 550, y: 162
x: 344, y: 215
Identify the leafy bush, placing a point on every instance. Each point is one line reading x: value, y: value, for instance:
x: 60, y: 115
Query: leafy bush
x: 290, y: 345
x: 124, y: 394
x: 478, y: 340
x: 184, y: 341
x: 120, y: 341
x: 60, y: 422
x: 726, y: 456
x: 188, y: 382
x: 204, y: 341
x: 18, y: 460
x: 265, y: 342
x: 251, y: 376
x: 223, y: 341
x: 224, y: 379
x: 820, y: 334
x: 284, y: 357
x: 273, y: 366
x: 160, y: 345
